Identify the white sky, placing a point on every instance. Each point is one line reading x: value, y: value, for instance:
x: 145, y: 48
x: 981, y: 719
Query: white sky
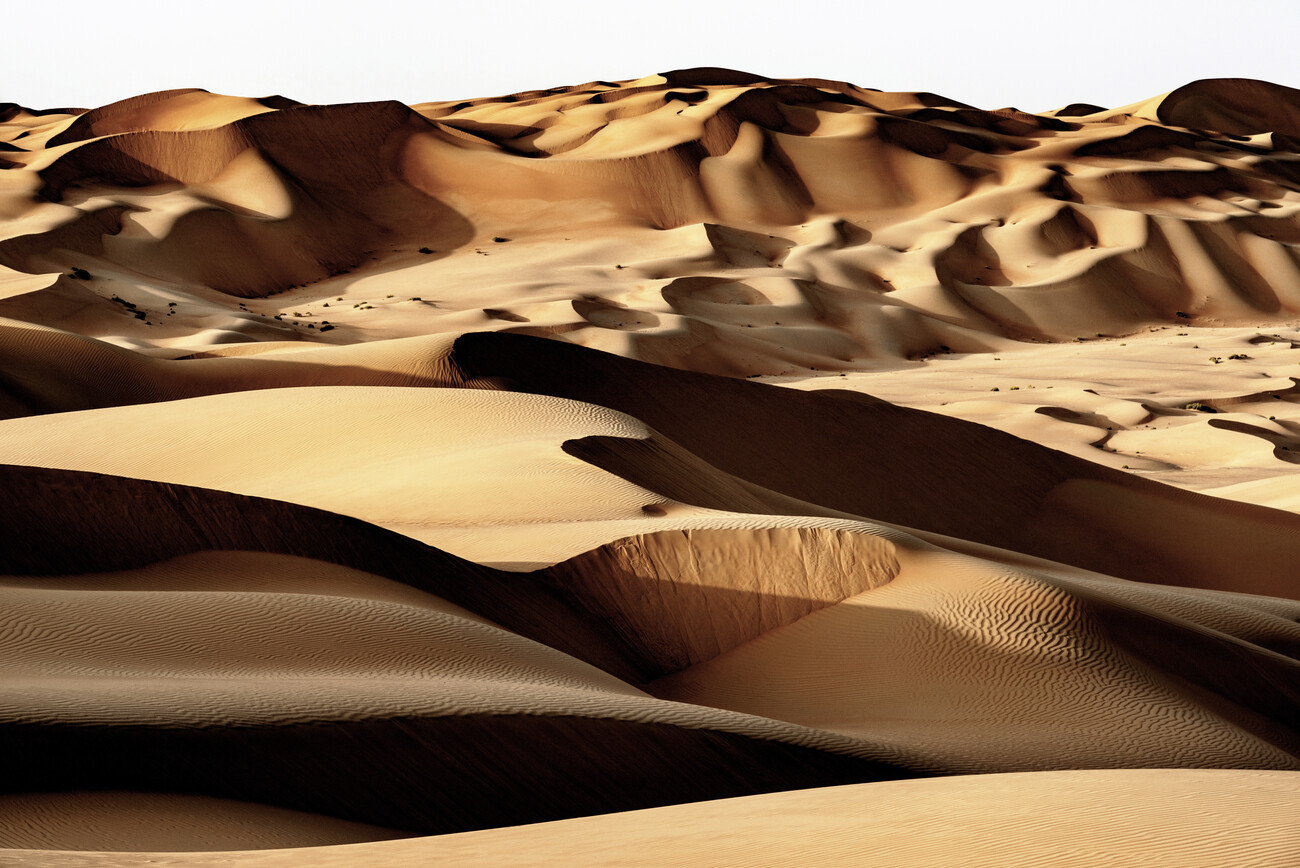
x: 1033, y: 55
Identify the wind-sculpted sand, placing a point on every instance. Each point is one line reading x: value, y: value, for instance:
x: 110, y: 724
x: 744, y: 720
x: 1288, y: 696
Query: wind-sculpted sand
x: 704, y: 469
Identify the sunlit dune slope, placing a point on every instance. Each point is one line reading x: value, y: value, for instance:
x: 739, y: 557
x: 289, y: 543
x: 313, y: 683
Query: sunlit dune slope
x: 988, y: 668
x: 1071, y: 819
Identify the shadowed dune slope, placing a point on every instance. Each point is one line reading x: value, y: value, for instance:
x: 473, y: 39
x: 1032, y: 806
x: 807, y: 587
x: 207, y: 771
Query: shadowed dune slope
x: 126, y: 821
x: 49, y: 508
x: 683, y: 601
x: 843, y: 453
x: 1237, y: 106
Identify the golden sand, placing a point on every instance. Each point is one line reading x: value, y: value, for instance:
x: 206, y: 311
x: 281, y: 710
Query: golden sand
x: 702, y: 469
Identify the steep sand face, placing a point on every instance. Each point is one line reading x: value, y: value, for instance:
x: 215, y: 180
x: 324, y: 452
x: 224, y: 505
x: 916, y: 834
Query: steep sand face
x: 374, y: 471
x: 1236, y: 106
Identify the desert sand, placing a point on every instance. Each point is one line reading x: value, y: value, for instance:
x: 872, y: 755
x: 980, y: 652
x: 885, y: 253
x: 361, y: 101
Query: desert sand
x: 701, y: 469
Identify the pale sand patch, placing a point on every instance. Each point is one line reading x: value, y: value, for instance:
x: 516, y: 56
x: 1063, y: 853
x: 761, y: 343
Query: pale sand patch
x: 1123, y: 402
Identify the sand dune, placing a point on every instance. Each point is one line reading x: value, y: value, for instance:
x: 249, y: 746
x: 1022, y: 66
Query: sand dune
x: 227, y: 665
x: 1076, y: 818
x: 1103, y: 671
x: 765, y: 466
x: 956, y: 227
x: 809, y: 446
x: 1239, y: 107
x: 224, y: 672
x: 1038, y: 491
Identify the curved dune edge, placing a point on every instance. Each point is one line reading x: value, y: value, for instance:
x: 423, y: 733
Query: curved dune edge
x: 569, y: 608
x: 273, y: 679
x: 1069, y: 818
x: 125, y: 821
x: 1238, y: 106
x: 684, y: 597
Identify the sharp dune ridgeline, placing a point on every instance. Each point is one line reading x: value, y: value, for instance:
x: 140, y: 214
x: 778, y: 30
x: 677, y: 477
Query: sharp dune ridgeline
x: 702, y: 469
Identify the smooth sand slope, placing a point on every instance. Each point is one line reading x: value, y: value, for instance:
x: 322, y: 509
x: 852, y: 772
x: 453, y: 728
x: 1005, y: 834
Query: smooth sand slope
x: 767, y: 467
x: 1125, y: 818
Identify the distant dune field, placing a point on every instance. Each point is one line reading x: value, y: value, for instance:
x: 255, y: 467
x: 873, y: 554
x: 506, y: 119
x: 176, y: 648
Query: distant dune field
x: 698, y: 470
